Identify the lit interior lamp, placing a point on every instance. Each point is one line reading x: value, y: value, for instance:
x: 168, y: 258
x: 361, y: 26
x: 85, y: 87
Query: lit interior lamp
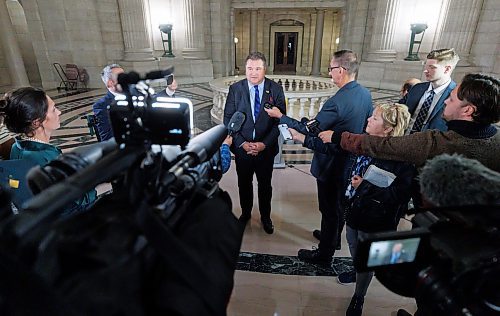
x: 416, y: 29
x: 166, y: 29
x: 236, y: 68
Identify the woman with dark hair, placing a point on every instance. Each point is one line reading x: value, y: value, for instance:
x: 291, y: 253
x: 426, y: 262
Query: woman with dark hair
x: 32, y: 114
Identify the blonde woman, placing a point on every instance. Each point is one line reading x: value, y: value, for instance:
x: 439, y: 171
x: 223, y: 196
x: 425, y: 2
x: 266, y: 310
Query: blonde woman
x: 370, y: 208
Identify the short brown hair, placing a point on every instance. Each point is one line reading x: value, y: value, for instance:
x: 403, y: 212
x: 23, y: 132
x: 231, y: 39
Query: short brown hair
x: 256, y: 56
x: 445, y: 55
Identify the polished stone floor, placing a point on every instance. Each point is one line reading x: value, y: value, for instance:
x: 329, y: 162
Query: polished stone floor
x: 270, y: 280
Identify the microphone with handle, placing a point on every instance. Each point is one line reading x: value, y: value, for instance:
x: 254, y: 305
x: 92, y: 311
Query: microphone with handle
x: 234, y: 125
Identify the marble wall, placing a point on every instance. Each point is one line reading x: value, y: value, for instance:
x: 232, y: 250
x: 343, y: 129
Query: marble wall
x: 90, y: 34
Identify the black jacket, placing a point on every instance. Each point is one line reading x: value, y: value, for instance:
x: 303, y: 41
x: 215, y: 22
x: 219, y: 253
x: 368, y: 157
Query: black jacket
x: 374, y: 209
x: 266, y: 128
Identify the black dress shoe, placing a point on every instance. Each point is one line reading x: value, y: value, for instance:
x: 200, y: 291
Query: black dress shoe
x: 314, y: 256
x: 268, y: 226
x: 244, y: 218
x: 317, y: 235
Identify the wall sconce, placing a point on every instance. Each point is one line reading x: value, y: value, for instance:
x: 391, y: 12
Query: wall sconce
x: 236, y: 68
x: 416, y: 28
x: 166, y: 29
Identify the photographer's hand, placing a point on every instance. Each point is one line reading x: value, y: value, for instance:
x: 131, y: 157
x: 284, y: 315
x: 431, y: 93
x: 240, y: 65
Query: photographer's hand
x: 297, y: 136
x: 356, y: 181
x: 274, y: 112
x: 326, y: 136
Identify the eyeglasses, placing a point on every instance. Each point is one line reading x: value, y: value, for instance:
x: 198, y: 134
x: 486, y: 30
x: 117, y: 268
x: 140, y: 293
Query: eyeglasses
x: 331, y: 68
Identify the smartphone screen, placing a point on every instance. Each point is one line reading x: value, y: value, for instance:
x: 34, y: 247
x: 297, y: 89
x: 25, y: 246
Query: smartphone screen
x: 285, y: 132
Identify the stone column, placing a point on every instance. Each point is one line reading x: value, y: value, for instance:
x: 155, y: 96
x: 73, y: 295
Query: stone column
x: 459, y: 28
x: 195, y: 31
x: 253, y: 30
x: 318, y: 39
x: 135, y: 30
x: 11, y: 51
x: 382, y: 40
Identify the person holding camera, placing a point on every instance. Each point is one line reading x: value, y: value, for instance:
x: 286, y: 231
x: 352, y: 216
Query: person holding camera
x: 347, y: 110
x: 109, y: 76
x: 370, y: 208
x: 169, y: 91
x: 31, y: 113
x: 256, y: 144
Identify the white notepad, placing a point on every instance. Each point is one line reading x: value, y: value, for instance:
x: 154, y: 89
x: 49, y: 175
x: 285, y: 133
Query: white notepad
x: 379, y: 177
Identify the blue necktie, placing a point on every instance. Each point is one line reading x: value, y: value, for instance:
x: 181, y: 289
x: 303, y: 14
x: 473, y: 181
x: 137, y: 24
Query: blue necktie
x: 256, y: 105
x: 422, y: 114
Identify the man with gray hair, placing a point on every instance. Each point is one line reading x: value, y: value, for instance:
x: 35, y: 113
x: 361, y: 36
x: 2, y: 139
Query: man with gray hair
x: 109, y: 76
x: 347, y: 110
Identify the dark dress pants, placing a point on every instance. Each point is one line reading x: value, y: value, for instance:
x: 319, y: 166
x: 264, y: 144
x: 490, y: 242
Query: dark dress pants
x: 262, y: 166
x: 328, y: 200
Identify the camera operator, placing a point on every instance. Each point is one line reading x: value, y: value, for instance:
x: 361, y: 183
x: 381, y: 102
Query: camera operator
x: 32, y: 113
x: 471, y: 110
x: 170, y: 89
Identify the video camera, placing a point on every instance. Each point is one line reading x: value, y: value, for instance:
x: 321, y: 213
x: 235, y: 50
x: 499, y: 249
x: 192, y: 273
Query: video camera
x: 449, y: 262
x: 164, y: 217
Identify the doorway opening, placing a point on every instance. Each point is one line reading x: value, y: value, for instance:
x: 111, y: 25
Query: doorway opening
x: 285, y: 52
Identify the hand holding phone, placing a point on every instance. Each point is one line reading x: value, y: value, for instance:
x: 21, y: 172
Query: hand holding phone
x: 285, y: 132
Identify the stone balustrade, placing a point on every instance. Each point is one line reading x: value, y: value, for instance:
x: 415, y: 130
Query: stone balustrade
x: 305, y: 94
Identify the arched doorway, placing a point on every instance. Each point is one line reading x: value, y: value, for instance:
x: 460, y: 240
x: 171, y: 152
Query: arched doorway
x: 286, y: 46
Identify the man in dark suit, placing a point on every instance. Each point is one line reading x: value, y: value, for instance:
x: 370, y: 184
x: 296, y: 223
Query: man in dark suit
x: 109, y: 76
x: 397, y: 255
x: 256, y: 144
x: 347, y: 110
x: 425, y: 100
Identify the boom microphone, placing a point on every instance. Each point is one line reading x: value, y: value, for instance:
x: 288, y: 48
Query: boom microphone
x: 236, y: 122
x: 159, y: 74
x: 126, y: 79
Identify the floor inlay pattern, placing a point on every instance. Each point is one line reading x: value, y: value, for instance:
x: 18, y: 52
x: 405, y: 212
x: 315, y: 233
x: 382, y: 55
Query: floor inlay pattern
x: 290, y: 265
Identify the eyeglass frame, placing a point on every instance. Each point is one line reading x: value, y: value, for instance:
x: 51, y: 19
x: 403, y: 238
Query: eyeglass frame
x: 331, y: 68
